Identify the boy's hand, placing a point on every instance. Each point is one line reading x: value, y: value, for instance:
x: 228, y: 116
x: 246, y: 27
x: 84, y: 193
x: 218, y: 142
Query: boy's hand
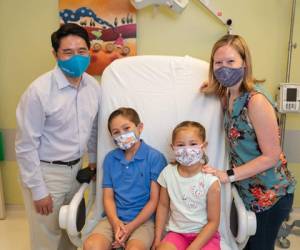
x: 115, y: 244
x: 128, y: 229
x: 120, y: 231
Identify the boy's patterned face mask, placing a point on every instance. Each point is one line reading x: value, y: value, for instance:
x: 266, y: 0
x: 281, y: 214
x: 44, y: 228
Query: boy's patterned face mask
x: 126, y: 140
x: 188, y: 155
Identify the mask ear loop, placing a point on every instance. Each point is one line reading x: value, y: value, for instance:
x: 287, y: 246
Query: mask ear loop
x: 204, y: 159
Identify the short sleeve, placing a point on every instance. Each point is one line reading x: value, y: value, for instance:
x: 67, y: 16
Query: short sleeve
x: 211, y: 179
x: 161, y: 179
x: 158, y: 162
x: 107, y: 181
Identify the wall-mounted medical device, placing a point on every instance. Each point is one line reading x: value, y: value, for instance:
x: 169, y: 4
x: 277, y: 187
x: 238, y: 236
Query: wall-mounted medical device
x: 179, y: 5
x: 176, y: 5
x: 289, y: 98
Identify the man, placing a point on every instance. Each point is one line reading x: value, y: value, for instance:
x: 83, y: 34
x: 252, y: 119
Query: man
x: 57, y: 121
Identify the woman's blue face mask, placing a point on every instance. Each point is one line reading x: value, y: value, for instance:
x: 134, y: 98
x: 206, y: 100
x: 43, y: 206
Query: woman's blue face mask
x: 74, y: 66
x: 229, y: 77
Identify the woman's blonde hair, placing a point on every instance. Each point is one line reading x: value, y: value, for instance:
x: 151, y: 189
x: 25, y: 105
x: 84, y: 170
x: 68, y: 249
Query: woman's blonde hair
x: 239, y: 44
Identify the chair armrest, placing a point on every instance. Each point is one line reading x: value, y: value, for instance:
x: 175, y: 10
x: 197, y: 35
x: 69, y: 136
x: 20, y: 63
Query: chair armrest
x: 72, y: 216
x: 246, y: 219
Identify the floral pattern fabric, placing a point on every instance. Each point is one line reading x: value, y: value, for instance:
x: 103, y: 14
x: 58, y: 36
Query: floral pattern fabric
x: 263, y: 190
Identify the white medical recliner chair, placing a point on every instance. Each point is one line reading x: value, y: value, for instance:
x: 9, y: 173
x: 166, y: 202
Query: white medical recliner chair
x: 164, y: 90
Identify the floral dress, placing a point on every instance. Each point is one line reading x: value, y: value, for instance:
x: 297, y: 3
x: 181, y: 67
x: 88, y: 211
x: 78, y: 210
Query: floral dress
x: 263, y: 190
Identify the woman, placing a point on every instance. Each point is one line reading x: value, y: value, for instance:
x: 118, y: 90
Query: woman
x: 258, y: 166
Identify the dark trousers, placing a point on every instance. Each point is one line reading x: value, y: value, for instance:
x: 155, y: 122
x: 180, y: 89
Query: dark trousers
x: 268, y: 224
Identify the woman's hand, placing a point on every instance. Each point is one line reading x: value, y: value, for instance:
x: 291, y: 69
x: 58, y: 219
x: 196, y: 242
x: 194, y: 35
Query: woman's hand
x: 204, y: 86
x: 222, y: 175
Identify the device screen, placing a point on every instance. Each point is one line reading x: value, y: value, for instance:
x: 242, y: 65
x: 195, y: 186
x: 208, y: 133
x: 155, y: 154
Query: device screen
x: 291, y: 94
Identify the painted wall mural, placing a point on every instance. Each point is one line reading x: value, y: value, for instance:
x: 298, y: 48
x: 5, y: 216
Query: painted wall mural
x: 111, y: 25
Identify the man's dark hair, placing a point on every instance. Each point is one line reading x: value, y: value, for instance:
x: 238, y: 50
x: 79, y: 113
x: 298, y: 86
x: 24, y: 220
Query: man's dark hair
x: 66, y: 30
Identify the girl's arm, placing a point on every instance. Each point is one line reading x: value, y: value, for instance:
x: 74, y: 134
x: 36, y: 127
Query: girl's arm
x: 213, y: 217
x: 162, y: 214
x: 264, y: 122
x: 147, y: 211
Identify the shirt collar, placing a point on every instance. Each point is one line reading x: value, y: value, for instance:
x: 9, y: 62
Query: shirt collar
x: 62, y: 81
x: 139, y: 155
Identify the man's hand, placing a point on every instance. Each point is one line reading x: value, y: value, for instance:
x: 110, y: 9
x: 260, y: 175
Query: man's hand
x: 44, y: 206
x: 93, y: 166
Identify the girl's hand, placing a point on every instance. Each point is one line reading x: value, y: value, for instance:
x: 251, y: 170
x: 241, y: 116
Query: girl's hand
x: 155, y: 243
x: 222, y: 175
x: 190, y: 247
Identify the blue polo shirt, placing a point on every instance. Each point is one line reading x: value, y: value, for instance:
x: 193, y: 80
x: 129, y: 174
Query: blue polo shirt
x: 131, y: 180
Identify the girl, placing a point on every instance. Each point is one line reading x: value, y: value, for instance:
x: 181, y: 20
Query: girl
x: 191, y: 197
x: 258, y: 165
x: 130, y: 190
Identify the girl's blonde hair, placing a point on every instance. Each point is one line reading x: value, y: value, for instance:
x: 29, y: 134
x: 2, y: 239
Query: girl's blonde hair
x: 239, y: 44
x: 189, y: 124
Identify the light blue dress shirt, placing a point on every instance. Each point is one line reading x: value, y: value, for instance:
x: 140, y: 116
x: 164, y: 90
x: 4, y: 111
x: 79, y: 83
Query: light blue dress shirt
x: 56, y: 122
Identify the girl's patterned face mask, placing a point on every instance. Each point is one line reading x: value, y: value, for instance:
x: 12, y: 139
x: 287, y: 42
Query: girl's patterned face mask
x: 126, y: 140
x: 188, y: 155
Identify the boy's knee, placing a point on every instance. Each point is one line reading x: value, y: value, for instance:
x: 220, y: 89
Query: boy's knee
x: 135, y: 245
x: 135, y: 248
x: 159, y: 247
x: 88, y: 243
x: 95, y: 242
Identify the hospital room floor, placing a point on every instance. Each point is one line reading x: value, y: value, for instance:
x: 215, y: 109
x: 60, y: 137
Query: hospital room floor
x: 14, y: 233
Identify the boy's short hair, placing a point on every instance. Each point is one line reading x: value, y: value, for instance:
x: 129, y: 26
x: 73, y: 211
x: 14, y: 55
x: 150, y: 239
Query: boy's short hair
x: 126, y: 112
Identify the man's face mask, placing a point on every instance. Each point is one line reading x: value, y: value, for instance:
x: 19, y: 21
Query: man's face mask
x: 74, y: 66
x: 229, y: 77
x: 126, y: 140
x: 188, y: 155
